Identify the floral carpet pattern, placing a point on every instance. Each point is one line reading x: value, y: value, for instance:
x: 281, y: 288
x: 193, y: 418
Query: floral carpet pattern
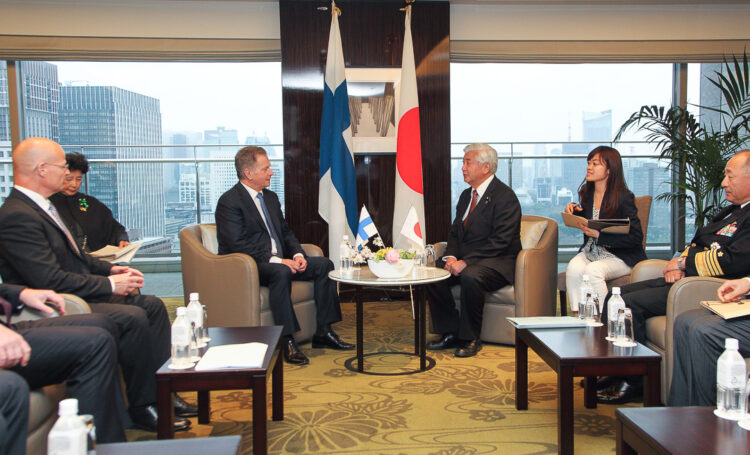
x: 460, y: 407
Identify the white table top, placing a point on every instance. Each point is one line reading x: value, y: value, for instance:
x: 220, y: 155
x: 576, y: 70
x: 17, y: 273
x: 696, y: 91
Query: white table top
x: 419, y: 275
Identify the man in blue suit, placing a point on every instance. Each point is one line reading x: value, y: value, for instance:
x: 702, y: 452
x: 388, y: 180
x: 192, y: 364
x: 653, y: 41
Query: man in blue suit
x: 249, y: 220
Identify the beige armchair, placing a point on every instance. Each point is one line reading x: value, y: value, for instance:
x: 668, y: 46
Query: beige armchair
x: 43, y: 402
x: 534, y: 291
x: 229, y: 286
x: 685, y: 295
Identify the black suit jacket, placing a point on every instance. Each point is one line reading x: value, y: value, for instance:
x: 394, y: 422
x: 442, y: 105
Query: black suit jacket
x: 240, y: 227
x: 628, y: 247
x: 492, y: 236
x: 35, y: 252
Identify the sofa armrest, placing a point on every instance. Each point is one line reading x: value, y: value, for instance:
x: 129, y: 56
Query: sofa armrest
x: 312, y: 250
x: 648, y: 270
x: 535, y: 284
x: 73, y: 305
x: 685, y: 295
x: 440, y: 248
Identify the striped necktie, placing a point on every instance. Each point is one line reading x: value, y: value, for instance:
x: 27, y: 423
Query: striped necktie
x: 56, y: 216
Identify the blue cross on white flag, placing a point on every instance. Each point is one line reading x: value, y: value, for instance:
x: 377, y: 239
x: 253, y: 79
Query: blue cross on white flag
x: 337, y: 191
x: 366, y: 229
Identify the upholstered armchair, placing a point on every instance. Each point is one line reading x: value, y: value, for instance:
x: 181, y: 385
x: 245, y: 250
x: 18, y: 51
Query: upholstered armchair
x: 229, y: 287
x: 43, y: 402
x: 534, y: 290
x: 685, y: 295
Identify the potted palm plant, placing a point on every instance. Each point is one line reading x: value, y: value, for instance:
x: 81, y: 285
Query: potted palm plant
x: 695, y: 153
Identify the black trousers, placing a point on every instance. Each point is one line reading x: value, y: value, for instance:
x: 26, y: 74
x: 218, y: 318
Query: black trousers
x: 135, y: 350
x: 81, y: 351
x: 646, y: 299
x: 158, y: 322
x: 14, y: 413
x: 474, y: 280
x: 698, y: 342
x: 278, y: 278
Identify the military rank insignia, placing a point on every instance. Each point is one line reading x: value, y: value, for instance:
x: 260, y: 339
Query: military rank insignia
x: 728, y: 230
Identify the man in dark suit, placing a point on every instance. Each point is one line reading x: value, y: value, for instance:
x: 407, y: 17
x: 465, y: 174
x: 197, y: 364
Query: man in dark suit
x: 249, y: 220
x: 38, y: 250
x: 79, y: 350
x: 483, y: 244
x: 721, y: 248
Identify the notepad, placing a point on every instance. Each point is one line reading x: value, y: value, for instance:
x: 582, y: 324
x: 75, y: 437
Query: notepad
x: 610, y: 226
x: 728, y: 310
x: 246, y: 355
x: 114, y: 254
x: 546, y: 322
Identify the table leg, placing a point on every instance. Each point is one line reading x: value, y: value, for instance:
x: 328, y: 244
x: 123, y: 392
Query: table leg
x: 652, y: 385
x: 277, y: 388
x: 165, y: 427
x: 360, y: 346
x: 204, y: 407
x: 422, y: 328
x: 260, y: 429
x: 589, y: 392
x: 522, y: 376
x: 622, y: 447
x: 565, y: 411
x: 417, y: 317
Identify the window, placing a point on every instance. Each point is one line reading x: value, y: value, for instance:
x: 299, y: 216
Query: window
x: 543, y: 119
x: 150, y: 131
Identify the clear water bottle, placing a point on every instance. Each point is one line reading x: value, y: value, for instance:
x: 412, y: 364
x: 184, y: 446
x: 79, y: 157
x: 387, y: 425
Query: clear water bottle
x: 585, y: 288
x: 345, y: 257
x: 181, y: 337
x: 731, y: 382
x: 69, y: 434
x: 614, y: 305
x: 195, y: 316
x: 206, y: 338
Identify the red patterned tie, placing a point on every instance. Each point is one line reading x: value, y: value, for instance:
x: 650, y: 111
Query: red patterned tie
x: 474, y: 196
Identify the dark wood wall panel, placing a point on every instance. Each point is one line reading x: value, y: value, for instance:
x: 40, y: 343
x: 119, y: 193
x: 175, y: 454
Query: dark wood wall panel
x: 372, y: 36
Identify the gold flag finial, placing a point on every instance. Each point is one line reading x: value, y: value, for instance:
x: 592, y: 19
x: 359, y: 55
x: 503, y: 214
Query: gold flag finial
x: 335, y: 9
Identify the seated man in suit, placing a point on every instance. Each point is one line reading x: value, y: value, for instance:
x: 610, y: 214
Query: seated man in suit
x: 249, y: 220
x: 721, y: 248
x: 483, y: 244
x: 699, y: 341
x: 79, y: 350
x: 38, y: 250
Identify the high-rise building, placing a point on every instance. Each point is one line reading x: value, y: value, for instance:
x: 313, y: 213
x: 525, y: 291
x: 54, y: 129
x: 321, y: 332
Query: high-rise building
x: 597, y: 130
x: 223, y: 174
x: 41, y: 99
x: 127, y: 125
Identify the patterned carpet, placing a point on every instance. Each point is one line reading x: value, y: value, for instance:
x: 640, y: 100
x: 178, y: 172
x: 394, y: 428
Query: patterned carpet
x: 460, y: 407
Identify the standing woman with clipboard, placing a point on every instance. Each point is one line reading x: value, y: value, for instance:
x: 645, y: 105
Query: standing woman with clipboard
x: 603, y: 256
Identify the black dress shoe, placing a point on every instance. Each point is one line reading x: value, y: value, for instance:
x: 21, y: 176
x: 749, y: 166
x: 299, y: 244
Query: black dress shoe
x: 293, y: 354
x: 469, y: 348
x: 184, y: 409
x: 603, y: 383
x: 330, y: 339
x: 146, y: 418
x: 447, y: 341
x: 620, y: 393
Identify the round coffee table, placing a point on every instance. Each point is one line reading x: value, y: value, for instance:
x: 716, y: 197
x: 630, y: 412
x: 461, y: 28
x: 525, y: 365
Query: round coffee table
x: 420, y: 276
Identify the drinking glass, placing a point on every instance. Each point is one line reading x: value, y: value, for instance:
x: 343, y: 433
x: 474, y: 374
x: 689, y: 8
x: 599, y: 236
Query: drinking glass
x: 88, y: 421
x: 204, y: 336
x: 429, y: 256
x: 624, y: 334
x: 592, y: 312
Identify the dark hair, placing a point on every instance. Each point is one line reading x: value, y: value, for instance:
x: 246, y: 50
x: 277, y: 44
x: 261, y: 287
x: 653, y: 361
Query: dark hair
x: 77, y: 162
x: 245, y: 158
x: 616, y: 187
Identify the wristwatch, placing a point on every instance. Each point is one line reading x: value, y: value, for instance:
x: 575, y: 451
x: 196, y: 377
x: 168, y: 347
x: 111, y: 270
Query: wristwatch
x: 681, y: 263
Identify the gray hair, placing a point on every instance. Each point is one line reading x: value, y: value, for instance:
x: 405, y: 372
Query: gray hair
x: 485, y: 154
x: 246, y: 158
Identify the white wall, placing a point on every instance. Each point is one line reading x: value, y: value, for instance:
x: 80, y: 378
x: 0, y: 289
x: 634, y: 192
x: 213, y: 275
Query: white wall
x: 611, y: 22
x: 141, y: 18
x: 260, y: 20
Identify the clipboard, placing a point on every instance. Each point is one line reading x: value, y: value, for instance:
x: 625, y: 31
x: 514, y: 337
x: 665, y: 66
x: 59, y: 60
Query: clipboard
x: 728, y: 310
x: 610, y: 226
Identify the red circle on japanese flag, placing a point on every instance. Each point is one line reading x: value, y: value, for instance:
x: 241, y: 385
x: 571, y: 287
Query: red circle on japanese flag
x: 409, y: 150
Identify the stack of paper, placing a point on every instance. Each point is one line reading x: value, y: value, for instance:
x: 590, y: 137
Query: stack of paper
x: 116, y: 254
x: 247, y: 355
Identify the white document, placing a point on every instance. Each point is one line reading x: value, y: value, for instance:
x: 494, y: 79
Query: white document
x: 116, y: 254
x: 246, y: 355
x: 545, y: 322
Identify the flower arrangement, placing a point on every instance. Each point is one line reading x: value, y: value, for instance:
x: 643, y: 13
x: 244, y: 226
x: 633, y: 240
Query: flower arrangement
x: 387, y: 254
